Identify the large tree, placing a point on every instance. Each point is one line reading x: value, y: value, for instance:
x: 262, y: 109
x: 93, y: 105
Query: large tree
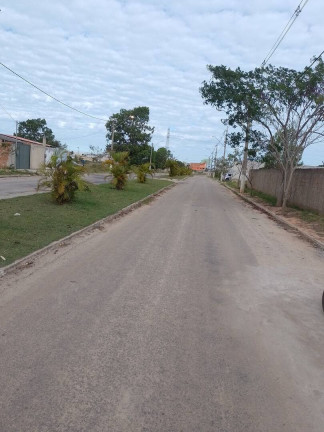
x: 232, y: 91
x: 161, y: 156
x: 35, y: 129
x: 280, y: 110
x: 129, y: 130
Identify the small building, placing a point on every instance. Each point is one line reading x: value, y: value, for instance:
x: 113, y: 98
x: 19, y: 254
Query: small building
x: 198, y: 167
x: 21, y: 153
x: 236, y: 170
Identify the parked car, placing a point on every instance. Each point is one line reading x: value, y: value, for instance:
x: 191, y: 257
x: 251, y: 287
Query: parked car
x: 228, y: 177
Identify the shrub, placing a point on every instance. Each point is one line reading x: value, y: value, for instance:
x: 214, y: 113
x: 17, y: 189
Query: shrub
x: 177, y: 168
x: 119, y: 168
x: 62, y: 176
x: 173, y: 167
x: 142, y: 171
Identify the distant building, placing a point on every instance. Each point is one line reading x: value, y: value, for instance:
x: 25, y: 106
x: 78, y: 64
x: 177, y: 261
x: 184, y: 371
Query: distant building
x: 236, y: 170
x: 21, y: 153
x: 198, y: 167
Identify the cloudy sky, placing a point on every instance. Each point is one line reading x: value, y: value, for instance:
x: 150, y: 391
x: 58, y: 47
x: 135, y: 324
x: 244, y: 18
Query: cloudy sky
x: 103, y: 55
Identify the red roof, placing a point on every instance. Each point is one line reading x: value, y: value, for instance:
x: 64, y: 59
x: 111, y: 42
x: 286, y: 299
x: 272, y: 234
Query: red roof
x: 24, y: 140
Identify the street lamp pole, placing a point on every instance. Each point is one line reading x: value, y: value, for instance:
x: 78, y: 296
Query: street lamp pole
x: 112, y: 135
x: 151, y: 156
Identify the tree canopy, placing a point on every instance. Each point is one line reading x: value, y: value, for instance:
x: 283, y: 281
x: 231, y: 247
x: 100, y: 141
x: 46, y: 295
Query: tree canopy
x: 132, y: 133
x: 35, y: 129
x: 279, y: 111
x: 161, y: 156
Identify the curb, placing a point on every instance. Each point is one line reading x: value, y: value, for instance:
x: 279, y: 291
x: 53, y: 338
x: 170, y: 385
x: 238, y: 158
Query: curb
x: 278, y: 219
x: 29, y: 259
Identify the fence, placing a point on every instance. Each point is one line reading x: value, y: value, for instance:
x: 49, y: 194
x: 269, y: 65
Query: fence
x: 307, y: 190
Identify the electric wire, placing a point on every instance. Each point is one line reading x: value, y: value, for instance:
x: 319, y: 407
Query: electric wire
x: 286, y: 29
x: 52, y: 97
x: 314, y: 61
x: 8, y: 113
x: 83, y: 136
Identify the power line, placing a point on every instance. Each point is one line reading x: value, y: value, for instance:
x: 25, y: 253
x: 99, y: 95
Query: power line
x: 314, y: 61
x: 286, y: 29
x: 52, y: 97
x: 4, y: 109
x: 83, y: 136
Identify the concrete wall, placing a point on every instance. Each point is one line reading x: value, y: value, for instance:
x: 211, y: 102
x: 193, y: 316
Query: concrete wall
x: 49, y: 151
x: 37, y: 156
x: 307, y: 190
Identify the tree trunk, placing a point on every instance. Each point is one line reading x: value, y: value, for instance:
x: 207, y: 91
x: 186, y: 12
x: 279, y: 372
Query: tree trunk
x: 287, y: 187
x: 245, y: 155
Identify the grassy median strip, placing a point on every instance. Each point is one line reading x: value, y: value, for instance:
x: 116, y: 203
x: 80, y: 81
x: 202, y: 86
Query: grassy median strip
x: 39, y: 221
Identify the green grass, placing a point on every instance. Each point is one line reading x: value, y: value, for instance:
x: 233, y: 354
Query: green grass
x: 96, y: 167
x: 313, y: 220
x: 8, y: 172
x: 253, y: 193
x: 265, y: 197
x: 179, y: 177
x: 232, y: 183
x: 41, y: 221
x: 309, y: 216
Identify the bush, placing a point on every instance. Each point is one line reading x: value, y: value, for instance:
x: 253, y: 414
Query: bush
x: 62, y: 176
x: 142, y: 171
x: 177, y: 168
x: 119, y: 168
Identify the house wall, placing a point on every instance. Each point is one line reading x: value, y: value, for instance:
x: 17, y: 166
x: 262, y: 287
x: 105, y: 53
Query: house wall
x: 5, y: 159
x: 307, y: 191
x: 37, y: 156
x: 198, y: 166
x: 236, y: 170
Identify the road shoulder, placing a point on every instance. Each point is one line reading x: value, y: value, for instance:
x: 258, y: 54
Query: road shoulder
x: 280, y: 219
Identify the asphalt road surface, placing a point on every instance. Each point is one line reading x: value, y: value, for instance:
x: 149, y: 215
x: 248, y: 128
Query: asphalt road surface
x: 13, y: 186
x: 193, y: 313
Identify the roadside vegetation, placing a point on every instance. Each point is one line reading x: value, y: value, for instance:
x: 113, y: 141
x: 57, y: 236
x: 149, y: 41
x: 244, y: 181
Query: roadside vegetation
x: 95, y: 167
x: 118, y: 166
x: 62, y: 177
x: 305, y: 218
x: 32, y: 222
x: 177, y: 168
x: 275, y: 114
x: 14, y: 172
x: 142, y: 172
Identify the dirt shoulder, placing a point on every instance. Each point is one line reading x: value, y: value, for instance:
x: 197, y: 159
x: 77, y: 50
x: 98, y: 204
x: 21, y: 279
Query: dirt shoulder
x: 306, y: 222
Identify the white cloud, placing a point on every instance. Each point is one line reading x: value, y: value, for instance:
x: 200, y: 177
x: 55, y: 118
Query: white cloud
x: 104, y: 55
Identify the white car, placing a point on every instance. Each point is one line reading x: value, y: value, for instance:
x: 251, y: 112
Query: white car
x: 228, y: 177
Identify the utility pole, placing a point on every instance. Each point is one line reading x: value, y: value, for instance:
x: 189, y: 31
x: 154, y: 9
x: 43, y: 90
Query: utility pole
x: 16, y: 144
x: 225, y: 142
x: 112, y: 135
x: 224, y: 155
x: 215, y: 159
x: 151, y: 156
x: 245, y: 155
x: 167, y: 140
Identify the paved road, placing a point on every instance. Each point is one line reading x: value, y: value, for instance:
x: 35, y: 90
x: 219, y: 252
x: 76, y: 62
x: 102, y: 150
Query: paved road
x: 11, y: 187
x: 193, y: 313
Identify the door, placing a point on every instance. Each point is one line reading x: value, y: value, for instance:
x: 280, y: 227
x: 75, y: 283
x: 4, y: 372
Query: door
x: 22, y: 156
